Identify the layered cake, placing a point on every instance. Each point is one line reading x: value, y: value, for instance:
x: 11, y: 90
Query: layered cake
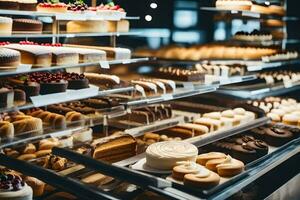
x: 27, y: 26
x: 165, y: 155
x: 103, y: 80
x: 13, y: 187
x: 9, y: 5
x: 234, y: 4
x: 114, y: 148
x: 33, y: 54
x: 29, y: 5
x: 89, y: 55
x: 63, y: 56
x: 52, y: 7
x: 111, y: 52
x: 5, y: 25
x: 9, y: 59
x: 87, y: 26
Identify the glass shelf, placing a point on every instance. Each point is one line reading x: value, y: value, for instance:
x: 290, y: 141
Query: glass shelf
x: 61, y: 16
x: 27, y: 68
x: 70, y: 35
x: 70, y: 95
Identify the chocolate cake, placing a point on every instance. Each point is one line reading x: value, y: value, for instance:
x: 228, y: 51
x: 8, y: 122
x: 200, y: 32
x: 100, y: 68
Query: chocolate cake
x: 100, y: 103
x: 76, y: 81
x: 180, y: 74
x: 27, y: 26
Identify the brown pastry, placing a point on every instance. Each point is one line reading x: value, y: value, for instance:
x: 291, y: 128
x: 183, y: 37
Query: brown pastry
x: 202, y: 159
x: 29, y: 149
x: 6, y: 130
x: 185, y: 167
x: 203, y: 180
x: 27, y: 157
x: 36, y: 185
x: 42, y: 153
x: 230, y: 167
x: 52, y: 119
x: 27, y: 124
x: 47, y: 144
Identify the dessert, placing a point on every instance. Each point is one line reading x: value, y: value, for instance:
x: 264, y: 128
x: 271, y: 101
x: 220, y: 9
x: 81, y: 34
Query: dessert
x: 185, y: 167
x: 234, y: 4
x: 52, y: 6
x: 33, y: 54
x: 26, y: 124
x: 9, y: 59
x: 76, y: 81
x: 111, y: 11
x: 27, y: 26
x: 53, y: 120
x: 204, y: 179
x: 113, y: 53
x: 100, y: 103
x: 93, y: 26
x: 180, y: 74
x: 19, y: 97
x: 6, y: 130
x: 83, y: 135
x: 165, y: 155
x: 253, y: 36
x: 211, y: 124
x: 203, y: 158
x: 29, y: 5
x: 103, y: 80
x: 77, y: 6
x: 89, y: 55
x: 5, y: 25
x: 114, y: 148
x: 290, y: 119
x: 230, y: 167
x: 36, y: 185
x: 274, y: 136
x: 13, y: 186
x: 6, y: 97
x: 9, y: 5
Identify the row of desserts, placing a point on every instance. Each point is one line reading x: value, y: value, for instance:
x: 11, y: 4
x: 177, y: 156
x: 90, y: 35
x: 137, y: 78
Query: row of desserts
x: 45, y: 55
x: 202, y: 52
x: 283, y: 76
x: 279, y: 109
x: 103, y: 10
x: 248, y: 5
x: 24, y: 26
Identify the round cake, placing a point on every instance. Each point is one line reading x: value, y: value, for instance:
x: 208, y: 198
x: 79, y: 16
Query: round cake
x: 9, y: 59
x: 5, y: 25
x: 27, y: 26
x: 12, y: 187
x: 165, y: 155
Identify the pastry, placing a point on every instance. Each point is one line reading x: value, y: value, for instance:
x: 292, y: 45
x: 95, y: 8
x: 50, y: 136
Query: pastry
x: 53, y: 120
x: 9, y: 5
x: 5, y: 25
x: 290, y: 119
x: 205, y: 179
x: 36, y: 185
x: 114, y: 148
x: 178, y: 74
x: 52, y: 7
x: 110, y: 11
x: 27, y: 26
x: 29, y: 149
x: 103, y: 80
x: 211, y: 124
x: 19, y: 97
x: 9, y: 59
x: 42, y: 153
x: 83, y: 135
x: 13, y: 187
x: 47, y: 144
x: 185, y: 167
x: 230, y: 167
x: 165, y: 155
x: 6, y: 97
x: 6, y: 130
x: 24, y: 124
x: 66, y: 141
x: 28, y: 5
x: 26, y: 157
x: 203, y: 158
x: 234, y: 4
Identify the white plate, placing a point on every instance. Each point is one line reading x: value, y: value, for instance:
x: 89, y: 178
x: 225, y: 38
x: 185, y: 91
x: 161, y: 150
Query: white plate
x: 142, y: 166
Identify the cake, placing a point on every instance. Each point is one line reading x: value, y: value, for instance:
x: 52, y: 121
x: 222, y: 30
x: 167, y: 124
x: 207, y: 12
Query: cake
x: 234, y: 4
x: 103, y: 80
x: 114, y: 148
x: 76, y: 81
x: 115, y: 53
x: 52, y: 7
x: 12, y: 186
x: 5, y: 25
x: 19, y: 97
x: 110, y: 11
x: 6, y: 97
x: 178, y: 74
x: 9, y: 59
x: 63, y: 56
x: 9, y: 5
x: 33, y: 54
x: 89, y: 55
x: 28, y: 5
x: 93, y: 26
x: 165, y: 155
x: 27, y: 26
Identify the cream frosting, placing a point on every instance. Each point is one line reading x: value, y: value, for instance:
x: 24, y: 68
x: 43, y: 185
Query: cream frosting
x: 165, y: 155
x: 6, y: 20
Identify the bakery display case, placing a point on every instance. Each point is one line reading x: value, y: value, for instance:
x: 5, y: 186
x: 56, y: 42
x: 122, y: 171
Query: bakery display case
x: 82, y: 116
